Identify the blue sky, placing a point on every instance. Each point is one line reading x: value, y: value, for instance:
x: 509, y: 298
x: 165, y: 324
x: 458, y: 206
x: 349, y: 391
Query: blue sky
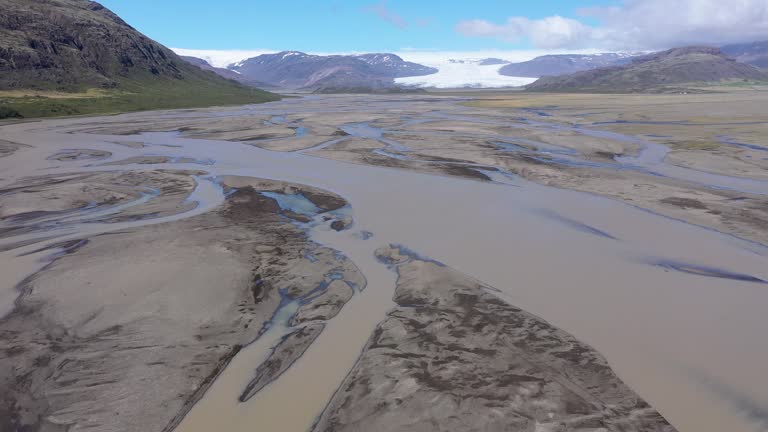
x: 445, y: 25
x: 332, y: 25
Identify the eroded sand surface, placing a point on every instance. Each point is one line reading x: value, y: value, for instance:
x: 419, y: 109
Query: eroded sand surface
x: 453, y: 356
x: 231, y: 269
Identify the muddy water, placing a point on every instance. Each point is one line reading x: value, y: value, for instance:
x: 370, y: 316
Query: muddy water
x: 689, y: 342
x: 294, y: 401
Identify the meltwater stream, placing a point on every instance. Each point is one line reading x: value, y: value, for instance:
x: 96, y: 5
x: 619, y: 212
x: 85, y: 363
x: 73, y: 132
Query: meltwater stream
x: 645, y: 291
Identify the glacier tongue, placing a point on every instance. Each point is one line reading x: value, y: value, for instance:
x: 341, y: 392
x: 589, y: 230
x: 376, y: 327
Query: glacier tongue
x: 465, y: 74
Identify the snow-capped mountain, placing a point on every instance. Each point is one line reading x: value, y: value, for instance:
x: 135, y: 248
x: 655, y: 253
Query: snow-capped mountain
x: 438, y: 69
x: 226, y: 73
x: 295, y: 69
x: 220, y: 58
x: 394, y: 65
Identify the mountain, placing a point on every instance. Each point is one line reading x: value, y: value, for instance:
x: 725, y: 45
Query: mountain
x: 552, y: 65
x: 394, y: 66
x: 294, y: 69
x: 656, y: 71
x: 224, y: 73
x: 77, y: 45
x: 754, y: 53
x: 492, y: 61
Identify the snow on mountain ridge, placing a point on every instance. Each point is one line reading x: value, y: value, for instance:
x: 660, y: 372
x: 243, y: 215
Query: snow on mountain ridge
x: 468, y: 73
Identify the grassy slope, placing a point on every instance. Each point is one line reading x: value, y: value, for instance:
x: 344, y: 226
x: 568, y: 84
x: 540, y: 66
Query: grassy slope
x: 138, y: 95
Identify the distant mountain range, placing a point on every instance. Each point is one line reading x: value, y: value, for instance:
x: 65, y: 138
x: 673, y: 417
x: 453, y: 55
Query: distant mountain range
x: 334, y: 73
x: 754, y: 53
x: 561, y: 64
x: 492, y: 61
x: 298, y: 70
x: 655, y: 72
x: 76, y: 45
x: 225, y: 73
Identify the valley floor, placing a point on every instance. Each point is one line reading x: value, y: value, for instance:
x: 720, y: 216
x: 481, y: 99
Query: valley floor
x: 493, y: 261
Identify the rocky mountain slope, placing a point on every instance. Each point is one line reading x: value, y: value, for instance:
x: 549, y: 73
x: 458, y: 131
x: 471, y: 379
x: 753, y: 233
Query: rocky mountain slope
x: 754, y: 53
x: 564, y: 64
x: 393, y: 65
x: 224, y: 73
x: 294, y: 69
x: 492, y: 61
x: 656, y: 72
x: 75, y: 45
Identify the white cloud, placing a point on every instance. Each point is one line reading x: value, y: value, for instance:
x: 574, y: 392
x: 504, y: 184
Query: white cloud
x: 550, y: 32
x: 637, y: 24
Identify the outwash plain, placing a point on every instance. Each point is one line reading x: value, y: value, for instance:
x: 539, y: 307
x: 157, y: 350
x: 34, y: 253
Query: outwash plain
x: 470, y: 261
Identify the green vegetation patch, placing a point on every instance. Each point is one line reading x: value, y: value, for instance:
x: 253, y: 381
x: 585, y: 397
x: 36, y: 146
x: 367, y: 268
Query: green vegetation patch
x: 7, y: 112
x: 137, y: 95
x: 694, y: 145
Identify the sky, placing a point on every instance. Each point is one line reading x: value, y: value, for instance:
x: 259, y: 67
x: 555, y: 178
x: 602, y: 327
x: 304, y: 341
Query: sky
x: 326, y: 26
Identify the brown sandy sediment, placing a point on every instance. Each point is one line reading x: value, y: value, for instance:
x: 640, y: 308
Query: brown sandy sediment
x: 457, y: 134
x: 471, y: 143
x: 190, y: 402
x: 360, y: 151
x: 127, y: 331
x: 140, y: 160
x: 691, y: 125
x: 8, y: 148
x: 294, y: 144
x: 54, y: 197
x: 741, y: 214
x: 255, y: 130
x: 130, y: 144
x: 326, y: 305
x: 744, y: 215
x: 285, y: 353
x: 80, y: 154
x: 731, y: 212
x: 153, y: 160
x: 621, y: 309
x: 453, y: 356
